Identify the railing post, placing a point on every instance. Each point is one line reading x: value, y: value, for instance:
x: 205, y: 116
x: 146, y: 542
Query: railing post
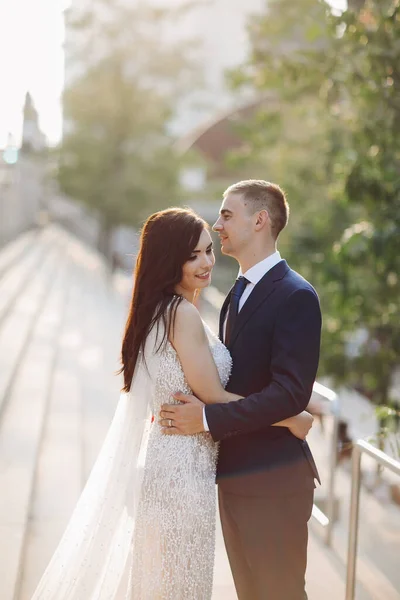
x: 327, y: 520
x: 353, y: 523
x: 330, y: 505
x: 385, y: 460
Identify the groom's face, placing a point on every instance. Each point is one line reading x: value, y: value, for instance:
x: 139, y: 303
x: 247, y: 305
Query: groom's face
x: 234, y: 226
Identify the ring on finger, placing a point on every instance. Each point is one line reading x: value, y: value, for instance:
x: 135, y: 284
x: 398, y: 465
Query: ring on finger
x: 169, y: 422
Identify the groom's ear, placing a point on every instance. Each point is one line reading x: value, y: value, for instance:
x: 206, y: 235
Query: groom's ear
x: 262, y: 219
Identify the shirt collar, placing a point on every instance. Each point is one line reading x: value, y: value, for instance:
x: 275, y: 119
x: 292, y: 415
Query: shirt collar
x: 257, y: 271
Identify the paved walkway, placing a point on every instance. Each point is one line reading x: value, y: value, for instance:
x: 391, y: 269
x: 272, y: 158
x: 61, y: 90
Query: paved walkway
x: 61, y: 320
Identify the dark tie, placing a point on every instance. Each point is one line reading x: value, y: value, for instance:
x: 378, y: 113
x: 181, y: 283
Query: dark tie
x: 233, y: 310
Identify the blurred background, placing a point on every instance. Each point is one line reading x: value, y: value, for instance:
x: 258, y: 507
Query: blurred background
x: 113, y: 109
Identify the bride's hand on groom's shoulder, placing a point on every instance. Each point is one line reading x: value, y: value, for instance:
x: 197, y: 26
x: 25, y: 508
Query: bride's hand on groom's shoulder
x: 301, y: 425
x: 182, y: 419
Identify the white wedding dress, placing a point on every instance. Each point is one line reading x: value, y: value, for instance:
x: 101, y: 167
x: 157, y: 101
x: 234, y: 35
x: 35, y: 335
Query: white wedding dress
x: 144, y: 534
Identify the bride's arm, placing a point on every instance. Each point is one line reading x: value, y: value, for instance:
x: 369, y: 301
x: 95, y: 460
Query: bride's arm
x: 191, y: 344
x: 299, y: 425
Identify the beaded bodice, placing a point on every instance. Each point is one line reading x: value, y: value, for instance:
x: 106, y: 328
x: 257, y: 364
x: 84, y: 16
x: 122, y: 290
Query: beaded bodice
x: 171, y: 378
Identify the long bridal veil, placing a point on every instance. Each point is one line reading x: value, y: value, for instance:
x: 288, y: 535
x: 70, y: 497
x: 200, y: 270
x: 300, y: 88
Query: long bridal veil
x: 93, y: 558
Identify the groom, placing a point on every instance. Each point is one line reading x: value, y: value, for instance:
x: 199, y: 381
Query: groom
x: 271, y: 323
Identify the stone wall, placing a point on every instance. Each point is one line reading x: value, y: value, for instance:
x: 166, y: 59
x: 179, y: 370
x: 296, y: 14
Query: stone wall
x: 22, y: 196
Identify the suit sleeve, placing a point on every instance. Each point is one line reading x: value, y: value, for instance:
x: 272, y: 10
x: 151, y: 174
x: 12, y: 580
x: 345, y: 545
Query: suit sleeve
x: 294, y: 364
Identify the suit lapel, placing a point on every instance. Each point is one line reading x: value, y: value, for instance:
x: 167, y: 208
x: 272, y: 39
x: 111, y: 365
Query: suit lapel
x: 264, y: 288
x: 222, y: 315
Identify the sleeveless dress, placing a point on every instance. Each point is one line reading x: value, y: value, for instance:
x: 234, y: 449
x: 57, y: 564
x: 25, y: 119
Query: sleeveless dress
x: 174, y: 540
x: 143, y: 533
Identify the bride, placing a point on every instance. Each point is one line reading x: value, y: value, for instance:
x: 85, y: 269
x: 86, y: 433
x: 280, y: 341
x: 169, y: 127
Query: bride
x: 149, y: 533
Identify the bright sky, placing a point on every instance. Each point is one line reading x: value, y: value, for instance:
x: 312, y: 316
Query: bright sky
x: 31, y: 58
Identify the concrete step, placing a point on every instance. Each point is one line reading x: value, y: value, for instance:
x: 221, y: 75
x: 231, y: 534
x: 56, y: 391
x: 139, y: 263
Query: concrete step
x: 13, y: 251
x: 22, y: 420
x: 82, y: 401
x: 59, y: 463
x: 18, y: 275
x: 99, y: 361
x: 15, y: 330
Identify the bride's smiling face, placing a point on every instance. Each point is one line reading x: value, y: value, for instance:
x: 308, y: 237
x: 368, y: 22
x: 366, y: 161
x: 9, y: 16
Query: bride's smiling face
x: 196, y: 272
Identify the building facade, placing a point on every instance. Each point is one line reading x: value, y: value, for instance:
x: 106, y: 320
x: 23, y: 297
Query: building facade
x: 218, y: 27
x: 23, y: 185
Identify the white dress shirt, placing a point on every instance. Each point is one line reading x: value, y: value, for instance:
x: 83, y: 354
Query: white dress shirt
x: 253, y: 275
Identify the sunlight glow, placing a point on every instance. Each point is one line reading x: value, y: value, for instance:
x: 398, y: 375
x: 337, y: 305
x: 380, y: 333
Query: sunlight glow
x: 31, y: 59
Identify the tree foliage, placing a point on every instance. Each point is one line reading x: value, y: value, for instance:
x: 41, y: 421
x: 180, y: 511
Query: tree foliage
x: 117, y: 155
x: 331, y: 139
x: 365, y: 73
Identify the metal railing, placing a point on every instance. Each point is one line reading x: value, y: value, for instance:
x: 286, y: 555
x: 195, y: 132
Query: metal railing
x: 383, y: 459
x: 327, y: 520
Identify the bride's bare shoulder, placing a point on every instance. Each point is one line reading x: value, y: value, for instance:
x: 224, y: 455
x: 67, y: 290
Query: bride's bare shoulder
x: 188, y: 320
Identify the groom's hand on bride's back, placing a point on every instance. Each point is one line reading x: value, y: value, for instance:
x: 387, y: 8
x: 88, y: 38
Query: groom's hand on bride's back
x: 182, y: 419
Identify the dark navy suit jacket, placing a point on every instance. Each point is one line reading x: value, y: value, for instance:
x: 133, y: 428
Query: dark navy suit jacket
x: 275, y: 347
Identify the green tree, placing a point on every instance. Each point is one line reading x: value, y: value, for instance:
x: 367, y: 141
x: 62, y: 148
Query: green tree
x: 365, y: 73
x: 117, y: 154
x: 329, y: 136
x: 296, y: 135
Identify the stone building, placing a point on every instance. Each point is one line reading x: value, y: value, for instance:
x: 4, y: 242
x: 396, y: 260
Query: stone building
x: 23, y: 188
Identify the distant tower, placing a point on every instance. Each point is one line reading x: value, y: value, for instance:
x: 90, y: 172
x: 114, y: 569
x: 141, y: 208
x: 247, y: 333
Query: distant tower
x: 33, y: 139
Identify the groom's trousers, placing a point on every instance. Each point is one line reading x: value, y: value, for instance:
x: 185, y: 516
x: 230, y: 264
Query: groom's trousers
x: 266, y: 542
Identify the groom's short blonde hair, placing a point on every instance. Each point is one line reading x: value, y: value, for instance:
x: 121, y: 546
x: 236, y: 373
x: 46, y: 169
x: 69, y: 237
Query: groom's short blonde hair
x: 258, y: 195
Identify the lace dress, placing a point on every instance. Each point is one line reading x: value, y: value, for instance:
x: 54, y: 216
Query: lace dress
x: 174, y: 539
x: 143, y: 534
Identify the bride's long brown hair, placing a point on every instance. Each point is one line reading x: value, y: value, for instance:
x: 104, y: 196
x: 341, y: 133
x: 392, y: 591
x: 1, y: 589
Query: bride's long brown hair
x: 167, y: 241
